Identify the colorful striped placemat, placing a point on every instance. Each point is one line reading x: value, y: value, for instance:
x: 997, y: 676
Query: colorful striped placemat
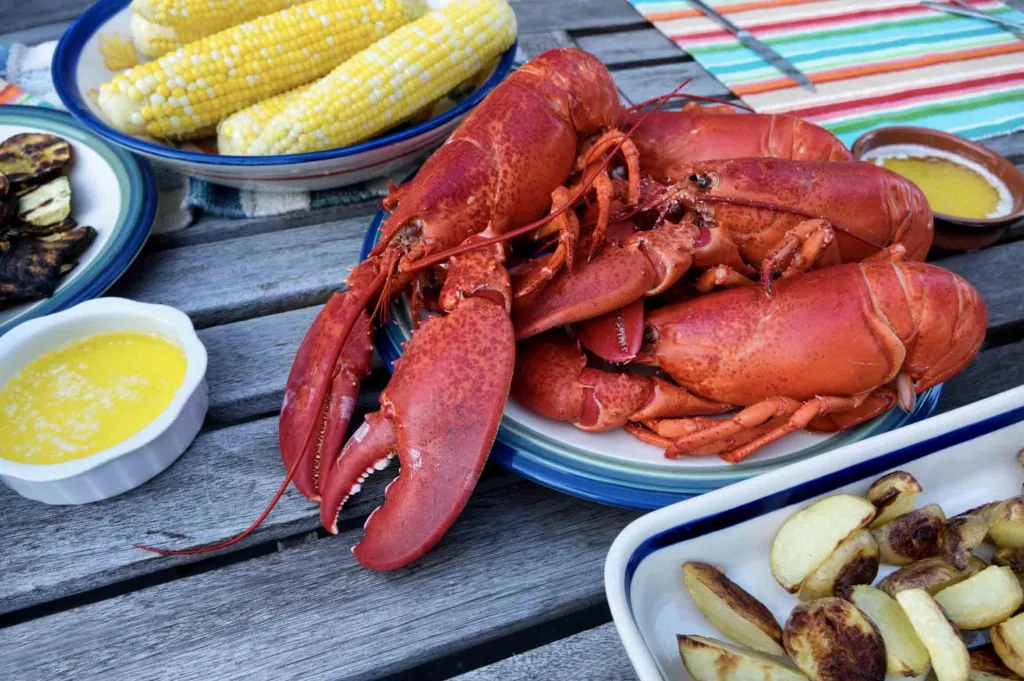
x: 884, y: 62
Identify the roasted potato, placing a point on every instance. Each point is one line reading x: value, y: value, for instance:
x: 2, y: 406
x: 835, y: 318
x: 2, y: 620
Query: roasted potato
x: 729, y: 607
x: 33, y: 156
x: 982, y: 600
x: 707, y: 659
x: 47, y: 204
x: 1011, y: 558
x: 960, y: 536
x: 831, y: 640
x: 931, y: 574
x: 1008, y: 641
x: 855, y: 561
x: 905, y: 655
x: 947, y: 650
x: 1006, y: 524
x: 893, y: 495
x: 809, y: 536
x: 911, y: 537
x: 986, y: 666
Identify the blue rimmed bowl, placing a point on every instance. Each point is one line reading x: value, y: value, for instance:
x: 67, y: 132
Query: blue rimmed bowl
x: 614, y: 467
x: 111, y: 191
x: 80, y: 67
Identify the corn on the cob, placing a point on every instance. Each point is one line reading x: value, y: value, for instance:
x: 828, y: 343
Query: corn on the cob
x: 236, y: 132
x: 159, y: 26
x: 392, y: 79
x: 193, y: 88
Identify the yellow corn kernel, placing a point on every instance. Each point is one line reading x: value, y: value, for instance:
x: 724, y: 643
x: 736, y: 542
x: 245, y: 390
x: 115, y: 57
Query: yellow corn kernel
x: 236, y: 132
x: 242, y: 65
x: 165, y: 25
x: 392, y: 79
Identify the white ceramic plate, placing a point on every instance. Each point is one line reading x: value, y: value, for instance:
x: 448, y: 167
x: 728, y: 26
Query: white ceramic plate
x: 79, y: 69
x: 111, y: 191
x: 963, y: 458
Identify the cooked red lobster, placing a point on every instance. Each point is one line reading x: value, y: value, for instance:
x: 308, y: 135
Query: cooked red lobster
x: 601, y: 207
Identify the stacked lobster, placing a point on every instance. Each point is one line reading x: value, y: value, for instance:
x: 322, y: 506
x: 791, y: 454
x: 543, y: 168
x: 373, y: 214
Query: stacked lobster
x: 553, y: 208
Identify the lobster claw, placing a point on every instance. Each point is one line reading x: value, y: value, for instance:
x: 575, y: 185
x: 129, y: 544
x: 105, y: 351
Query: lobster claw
x: 440, y: 412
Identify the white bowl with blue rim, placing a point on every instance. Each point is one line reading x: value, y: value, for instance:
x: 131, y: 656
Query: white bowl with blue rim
x: 614, y: 467
x: 963, y: 458
x: 111, y: 191
x: 79, y: 67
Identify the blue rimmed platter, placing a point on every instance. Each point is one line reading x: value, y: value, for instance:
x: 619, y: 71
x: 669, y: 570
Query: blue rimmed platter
x: 963, y: 459
x: 111, y: 191
x: 613, y: 467
x: 98, y: 46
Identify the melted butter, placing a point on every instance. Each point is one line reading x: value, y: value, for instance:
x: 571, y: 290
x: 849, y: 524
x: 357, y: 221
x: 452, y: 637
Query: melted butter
x: 87, y: 396
x: 953, y: 185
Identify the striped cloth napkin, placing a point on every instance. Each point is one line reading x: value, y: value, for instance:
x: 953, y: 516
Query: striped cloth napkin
x: 25, y: 79
x: 884, y: 62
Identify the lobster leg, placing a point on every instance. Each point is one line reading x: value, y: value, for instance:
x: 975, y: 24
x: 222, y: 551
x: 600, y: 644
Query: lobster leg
x: 799, y: 416
x: 799, y: 250
x: 440, y: 412
x: 552, y: 379
x: 567, y: 226
x: 722, y: 276
x: 664, y: 432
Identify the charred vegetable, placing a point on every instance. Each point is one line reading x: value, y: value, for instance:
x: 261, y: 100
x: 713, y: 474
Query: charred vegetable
x: 46, y: 205
x: 30, y: 269
x: 32, y: 156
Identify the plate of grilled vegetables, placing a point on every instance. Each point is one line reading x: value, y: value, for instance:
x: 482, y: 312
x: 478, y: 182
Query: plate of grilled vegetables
x: 900, y: 557
x: 74, y: 213
x: 282, y: 95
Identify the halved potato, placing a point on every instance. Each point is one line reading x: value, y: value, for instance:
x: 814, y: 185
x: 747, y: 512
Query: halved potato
x: 809, y: 536
x: 911, y: 537
x: 1008, y: 641
x: 893, y: 495
x: 707, y: 659
x: 1006, y: 524
x: 733, y: 610
x: 982, y: 600
x: 905, y: 655
x: 831, y: 640
x: 986, y: 666
x: 854, y: 562
x: 947, y: 650
x: 931, y: 574
x: 960, y: 536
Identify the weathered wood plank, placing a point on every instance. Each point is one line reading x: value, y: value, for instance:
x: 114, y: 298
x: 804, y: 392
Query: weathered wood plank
x: 15, y: 16
x: 33, y: 35
x: 209, y: 228
x: 992, y: 372
x: 517, y: 557
x: 250, y: 276
x: 642, y: 83
x: 535, y: 16
x: 999, y: 278
x: 532, y: 44
x: 593, y: 655
x: 631, y: 46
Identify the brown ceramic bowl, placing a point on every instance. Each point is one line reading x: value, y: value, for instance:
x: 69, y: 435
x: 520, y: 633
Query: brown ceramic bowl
x: 954, y: 233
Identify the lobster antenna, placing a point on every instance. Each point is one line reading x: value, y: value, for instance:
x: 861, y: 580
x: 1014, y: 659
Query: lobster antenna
x: 441, y: 256
x: 379, y: 281
x: 737, y: 104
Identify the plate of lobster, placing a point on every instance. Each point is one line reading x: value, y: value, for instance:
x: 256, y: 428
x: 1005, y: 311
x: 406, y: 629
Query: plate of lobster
x: 575, y: 272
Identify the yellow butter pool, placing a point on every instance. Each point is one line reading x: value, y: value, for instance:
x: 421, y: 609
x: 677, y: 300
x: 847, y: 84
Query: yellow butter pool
x: 87, y: 396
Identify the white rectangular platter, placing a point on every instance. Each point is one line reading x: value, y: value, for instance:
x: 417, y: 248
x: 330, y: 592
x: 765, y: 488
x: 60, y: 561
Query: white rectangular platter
x: 962, y: 459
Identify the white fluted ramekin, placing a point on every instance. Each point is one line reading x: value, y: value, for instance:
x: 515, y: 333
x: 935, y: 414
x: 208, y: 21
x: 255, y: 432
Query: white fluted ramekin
x: 144, y: 455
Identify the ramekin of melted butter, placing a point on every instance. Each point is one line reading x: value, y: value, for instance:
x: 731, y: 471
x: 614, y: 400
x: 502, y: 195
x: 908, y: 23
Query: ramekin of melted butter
x: 953, y: 185
x: 87, y: 396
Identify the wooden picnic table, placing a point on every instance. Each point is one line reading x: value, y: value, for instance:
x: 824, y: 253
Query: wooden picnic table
x: 515, y: 589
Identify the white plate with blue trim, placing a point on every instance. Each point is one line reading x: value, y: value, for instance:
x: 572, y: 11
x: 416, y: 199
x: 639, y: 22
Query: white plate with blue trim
x: 98, y: 46
x: 614, y: 467
x: 962, y: 459
x: 111, y: 191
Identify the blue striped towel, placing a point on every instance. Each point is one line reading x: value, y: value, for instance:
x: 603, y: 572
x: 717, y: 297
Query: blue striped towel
x: 182, y: 198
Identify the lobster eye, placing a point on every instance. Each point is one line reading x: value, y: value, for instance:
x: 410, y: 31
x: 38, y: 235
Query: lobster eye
x: 703, y: 181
